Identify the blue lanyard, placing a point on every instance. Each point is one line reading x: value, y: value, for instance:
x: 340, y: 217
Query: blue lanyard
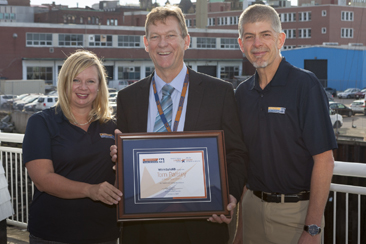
x: 180, y: 108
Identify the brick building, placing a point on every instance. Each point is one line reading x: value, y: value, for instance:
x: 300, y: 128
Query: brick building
x: 37, y: 51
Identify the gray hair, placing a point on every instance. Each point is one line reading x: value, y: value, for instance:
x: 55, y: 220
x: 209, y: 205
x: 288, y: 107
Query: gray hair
x: 258, y: 13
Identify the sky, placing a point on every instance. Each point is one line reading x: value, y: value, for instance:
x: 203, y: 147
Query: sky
x: 83, y: 3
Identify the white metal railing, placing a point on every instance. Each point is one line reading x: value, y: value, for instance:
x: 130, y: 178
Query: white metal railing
x: 21, y: 188
x: 349, y: 170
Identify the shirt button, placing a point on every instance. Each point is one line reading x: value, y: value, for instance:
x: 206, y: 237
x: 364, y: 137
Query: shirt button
x: 261, y: 95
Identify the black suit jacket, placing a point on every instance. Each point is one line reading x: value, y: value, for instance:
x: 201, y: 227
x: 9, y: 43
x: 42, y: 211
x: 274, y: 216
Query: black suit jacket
x: 211, y: 106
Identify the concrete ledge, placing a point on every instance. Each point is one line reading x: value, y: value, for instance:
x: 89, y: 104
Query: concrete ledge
x: 20, y: 120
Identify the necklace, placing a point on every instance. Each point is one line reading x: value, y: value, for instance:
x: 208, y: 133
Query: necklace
x: 77, y: 123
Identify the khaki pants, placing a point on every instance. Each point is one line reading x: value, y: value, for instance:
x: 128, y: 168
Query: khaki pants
x: 264, y: 222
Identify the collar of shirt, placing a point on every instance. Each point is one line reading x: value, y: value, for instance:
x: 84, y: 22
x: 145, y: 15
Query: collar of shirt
x: 279, y: 79
x: 177, y: 82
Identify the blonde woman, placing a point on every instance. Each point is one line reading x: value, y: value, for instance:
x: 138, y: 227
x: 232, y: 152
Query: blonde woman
x: 66, y: 152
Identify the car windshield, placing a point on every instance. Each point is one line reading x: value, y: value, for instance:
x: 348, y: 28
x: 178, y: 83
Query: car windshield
x: 30, y: 99
x: 22, y: 96
x: 348, y: 90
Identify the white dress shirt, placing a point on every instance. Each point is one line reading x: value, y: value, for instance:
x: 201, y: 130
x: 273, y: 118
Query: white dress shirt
x: 177, y: 83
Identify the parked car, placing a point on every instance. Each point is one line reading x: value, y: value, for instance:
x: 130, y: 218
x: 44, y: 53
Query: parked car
x: 54, y: 93
x: 351, y: 93
x: 30, y: 107
x: 44, y: 102
x: 331, y: 91
x: 358, y: 106
x: 341, y: 109
x: 9, y: 103
x: 336, y: 119
x: 112, y: 97
x: 5, y: 98
x: 19, y: 105
x: 359, y: 95
x: 112, y: 90
x: 330, y: 96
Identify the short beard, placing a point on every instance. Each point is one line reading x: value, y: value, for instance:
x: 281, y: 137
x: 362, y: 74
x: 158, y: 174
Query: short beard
x: 262, y: 65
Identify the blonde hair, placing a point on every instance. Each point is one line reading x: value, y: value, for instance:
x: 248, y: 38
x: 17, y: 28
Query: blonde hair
x: 74, y: 65
x: 161, y: 13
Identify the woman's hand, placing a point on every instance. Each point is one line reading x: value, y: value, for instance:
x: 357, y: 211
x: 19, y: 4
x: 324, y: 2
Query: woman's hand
x: 104, y: 192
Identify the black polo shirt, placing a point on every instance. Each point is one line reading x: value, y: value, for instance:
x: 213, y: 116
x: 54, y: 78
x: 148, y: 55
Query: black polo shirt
x: 284, y: 125
x: 77, y: 155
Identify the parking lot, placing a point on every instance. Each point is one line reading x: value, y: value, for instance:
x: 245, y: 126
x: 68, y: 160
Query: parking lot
x: 354, y: 126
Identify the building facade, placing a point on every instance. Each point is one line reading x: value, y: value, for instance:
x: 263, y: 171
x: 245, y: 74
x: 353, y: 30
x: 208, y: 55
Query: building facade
x: 336, y: 67
x: 306, y: 25
x: 37, y: 51
x: 16, y: 14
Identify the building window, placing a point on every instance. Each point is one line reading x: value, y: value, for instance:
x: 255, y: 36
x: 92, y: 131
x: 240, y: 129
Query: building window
x: 6, y: 16
x: 39, y: 39
x: 97, y: 20
x: 324, y: 30
x: 81, y: 20
x: 40, y: 73
x: 1, y: 16
x: 203, y: 42
x: 305, y: 33
x: 211, y: 21
x: 290, y: 33
x: 305, y: 16
x: 347, y: 16
x: 288, y: 17
x: 100, y: 40
x: 149, y: 70
x: 222, y: 21
x: 129, y: 73
x: 346, y: 33
x: 70, y: 40
x: 188, y: 22
x: 12, y: 16
x: 233, y: 20
x: 115, y: 22
x: 228, y: 72
x: 129, y: 41
x: 229, y: 43
x: 108, y: 22
x: 324, y: 13
x: 289, y: 47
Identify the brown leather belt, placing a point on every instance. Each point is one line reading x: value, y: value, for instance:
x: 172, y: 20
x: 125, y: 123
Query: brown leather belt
x: 276, y: 197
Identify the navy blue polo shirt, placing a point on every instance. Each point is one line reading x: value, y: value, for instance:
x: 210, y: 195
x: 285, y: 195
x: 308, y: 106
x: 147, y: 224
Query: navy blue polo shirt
x: 77, y: 155
x: 284, y: 125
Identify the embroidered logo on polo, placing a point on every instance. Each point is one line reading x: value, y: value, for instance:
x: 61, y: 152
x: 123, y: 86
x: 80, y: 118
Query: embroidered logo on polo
x: 105, y: 135
x: 276, y: 110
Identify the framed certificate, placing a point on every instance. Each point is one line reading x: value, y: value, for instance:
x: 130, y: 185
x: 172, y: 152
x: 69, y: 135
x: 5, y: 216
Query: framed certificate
x: 175, y: 175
